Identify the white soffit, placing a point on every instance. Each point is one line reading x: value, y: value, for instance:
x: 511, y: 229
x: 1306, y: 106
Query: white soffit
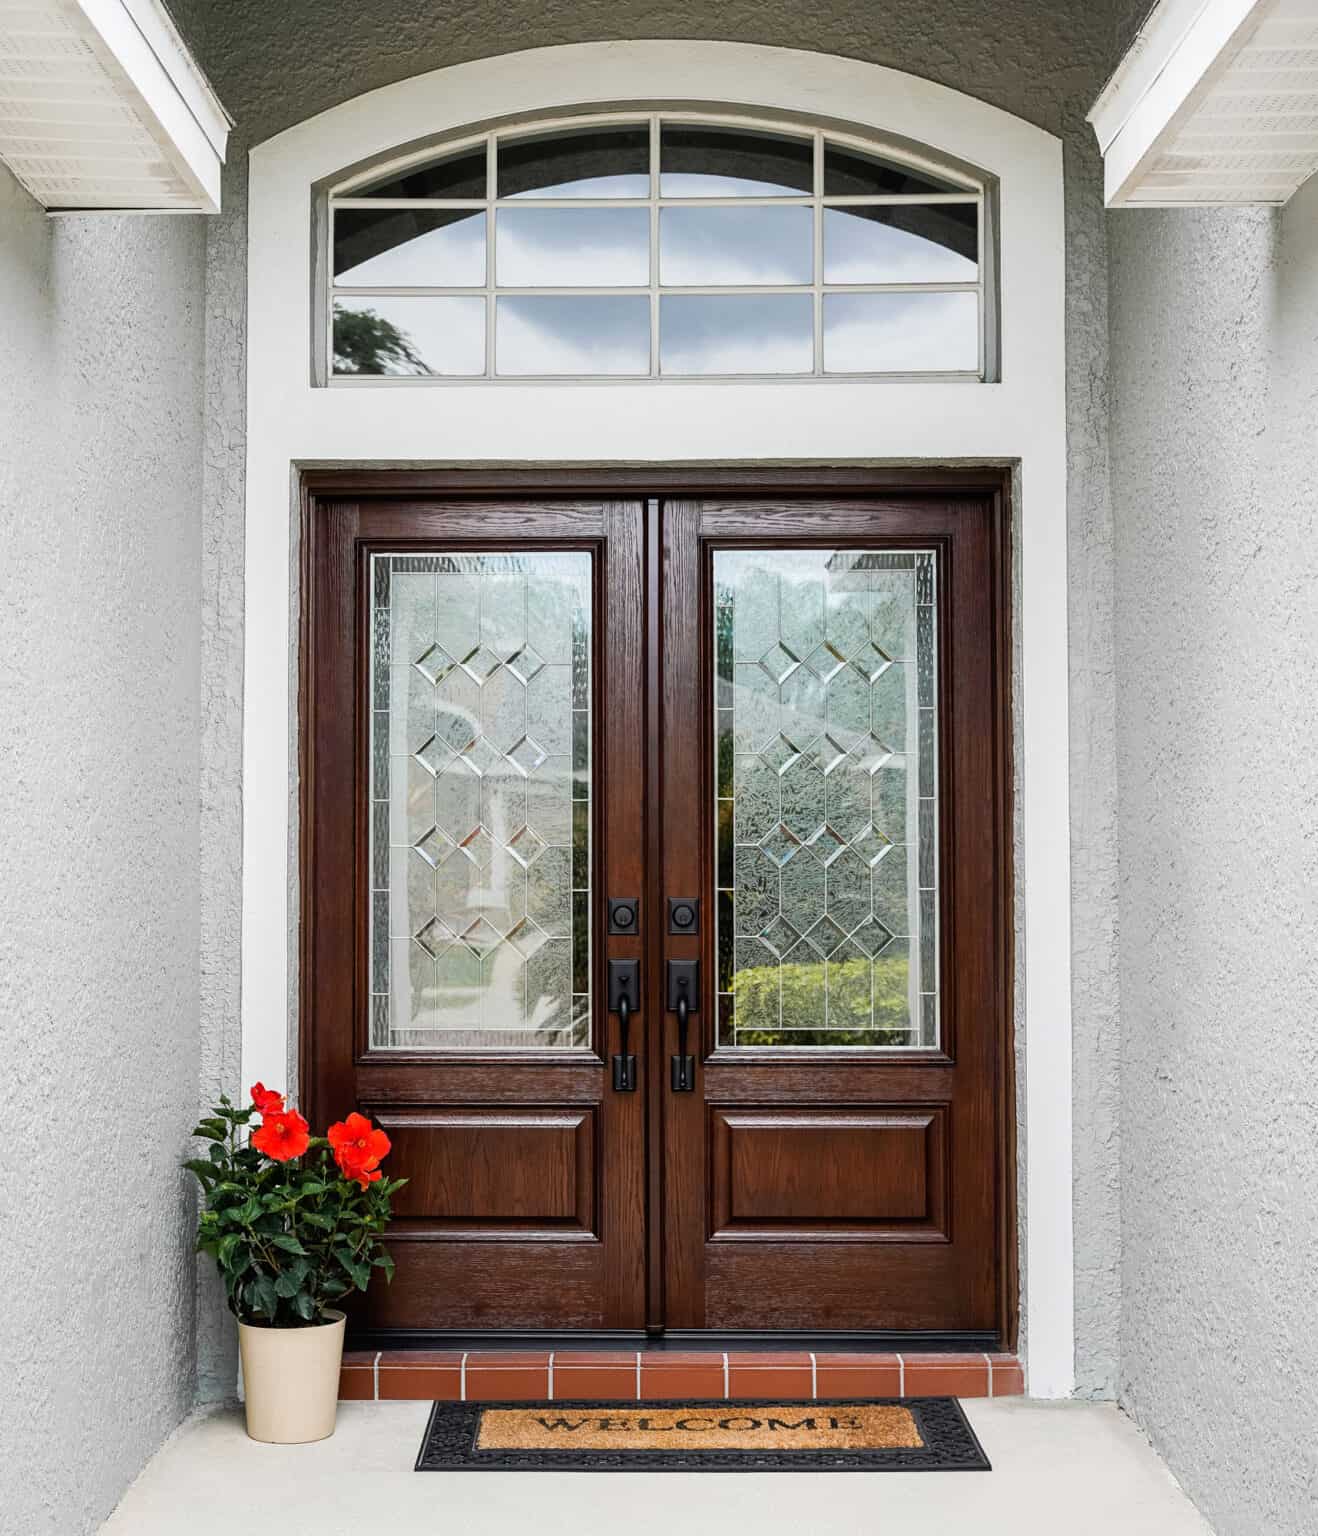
x: 102, y: 107
x: 1215, y: 102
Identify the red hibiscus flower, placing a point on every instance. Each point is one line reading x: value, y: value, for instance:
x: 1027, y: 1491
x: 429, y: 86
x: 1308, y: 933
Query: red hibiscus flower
x: 358, y: 1148
x: 266, y: 1099
x: 283, y: 1135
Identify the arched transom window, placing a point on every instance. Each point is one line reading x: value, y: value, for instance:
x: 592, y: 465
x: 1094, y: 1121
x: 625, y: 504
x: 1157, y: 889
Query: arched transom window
x: 657, y: 246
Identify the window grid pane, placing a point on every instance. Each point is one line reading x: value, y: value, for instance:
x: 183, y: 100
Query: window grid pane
x: 808, y: 214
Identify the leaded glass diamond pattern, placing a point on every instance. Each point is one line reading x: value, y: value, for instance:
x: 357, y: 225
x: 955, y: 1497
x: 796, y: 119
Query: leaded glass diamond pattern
x: 481, y: 791
x: 826, y: 771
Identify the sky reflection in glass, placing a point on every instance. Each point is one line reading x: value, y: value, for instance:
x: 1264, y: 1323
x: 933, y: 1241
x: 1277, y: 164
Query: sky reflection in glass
x: 736, y: 247
x: 736, y: 333
x: 557, y: 334
x: 409, y: 336
x: 902, y: 244
x: 901, y: 332
x: 572, y: 247
x: 412, y: 248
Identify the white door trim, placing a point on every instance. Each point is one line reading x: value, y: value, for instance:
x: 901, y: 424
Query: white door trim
x: 1020, y: 420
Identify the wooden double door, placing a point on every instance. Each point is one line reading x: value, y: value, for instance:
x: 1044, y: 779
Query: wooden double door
x: 655, y: 879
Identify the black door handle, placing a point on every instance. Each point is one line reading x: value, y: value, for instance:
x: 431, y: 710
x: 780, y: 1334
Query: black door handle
x: 683, y: 1000
x: 624, y: 1000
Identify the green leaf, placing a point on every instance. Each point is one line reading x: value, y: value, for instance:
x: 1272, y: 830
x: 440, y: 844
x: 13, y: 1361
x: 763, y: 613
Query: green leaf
x: 262, y: 1291
x: 225, y: 1248
x: 304, y: 1306
x: 204, y: 1171
x: 386, y: 1263
x: 288, y: 1243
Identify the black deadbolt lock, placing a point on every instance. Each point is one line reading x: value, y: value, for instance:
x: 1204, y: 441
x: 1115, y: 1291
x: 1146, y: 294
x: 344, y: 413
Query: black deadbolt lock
x: 683, y: 914
x: 624, y: 914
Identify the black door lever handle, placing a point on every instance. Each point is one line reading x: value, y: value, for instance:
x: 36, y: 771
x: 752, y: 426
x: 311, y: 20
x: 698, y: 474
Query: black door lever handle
x: 683, y: 1000
x: 624, y: 1000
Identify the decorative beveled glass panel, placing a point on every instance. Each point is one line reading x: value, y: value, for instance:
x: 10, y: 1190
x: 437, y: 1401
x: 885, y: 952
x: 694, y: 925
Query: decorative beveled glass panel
x: 826, y: 743
x: 480, y: 849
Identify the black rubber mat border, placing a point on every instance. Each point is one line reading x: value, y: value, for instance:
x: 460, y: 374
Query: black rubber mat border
x: 950, y: 1444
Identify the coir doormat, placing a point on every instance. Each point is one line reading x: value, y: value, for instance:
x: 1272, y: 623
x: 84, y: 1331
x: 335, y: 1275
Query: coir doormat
x: 924, y: 1434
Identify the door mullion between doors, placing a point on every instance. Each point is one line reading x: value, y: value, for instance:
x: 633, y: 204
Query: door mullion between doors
x: 653, y: 962
x: 681, y: 801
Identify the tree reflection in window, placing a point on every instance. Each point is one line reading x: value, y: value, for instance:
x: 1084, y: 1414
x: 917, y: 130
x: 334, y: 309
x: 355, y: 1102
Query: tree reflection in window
x: 367, y: 343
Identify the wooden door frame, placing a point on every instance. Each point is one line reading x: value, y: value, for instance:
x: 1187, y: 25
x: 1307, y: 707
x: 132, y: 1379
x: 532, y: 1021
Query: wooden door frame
x: 992, y: 483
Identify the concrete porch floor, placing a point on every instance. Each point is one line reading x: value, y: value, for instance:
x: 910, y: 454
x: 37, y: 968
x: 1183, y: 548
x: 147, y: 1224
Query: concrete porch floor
x: 1076, y: 1467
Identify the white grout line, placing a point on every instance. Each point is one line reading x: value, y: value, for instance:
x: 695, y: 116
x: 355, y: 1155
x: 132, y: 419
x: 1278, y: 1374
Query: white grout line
x: 901, y: 1377
x: 638, y: 1375
x: 551, y: 1375
x: 814, y: 1376
x: 725, y: 1373
x: 375, y: 1374
x: 988, y: 1365
x: 462, y: 1379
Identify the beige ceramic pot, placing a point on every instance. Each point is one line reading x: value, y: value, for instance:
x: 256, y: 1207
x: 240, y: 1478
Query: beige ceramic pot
x: 291, y: 1380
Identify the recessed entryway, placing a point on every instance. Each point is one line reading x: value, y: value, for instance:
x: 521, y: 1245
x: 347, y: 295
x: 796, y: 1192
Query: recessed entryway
x: 769, y: 721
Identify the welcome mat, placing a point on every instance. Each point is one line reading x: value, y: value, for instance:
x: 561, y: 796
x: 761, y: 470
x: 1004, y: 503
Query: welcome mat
x: 923, y: 1434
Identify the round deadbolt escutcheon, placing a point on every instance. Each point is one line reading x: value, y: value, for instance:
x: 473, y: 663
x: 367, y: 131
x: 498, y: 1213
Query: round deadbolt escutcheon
x: 624, y: 916
x: 683, y: 915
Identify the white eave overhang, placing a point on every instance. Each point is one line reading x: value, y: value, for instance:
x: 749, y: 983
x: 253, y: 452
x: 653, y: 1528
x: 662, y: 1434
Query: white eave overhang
x: 1215, y: 102
x: 103, y: 108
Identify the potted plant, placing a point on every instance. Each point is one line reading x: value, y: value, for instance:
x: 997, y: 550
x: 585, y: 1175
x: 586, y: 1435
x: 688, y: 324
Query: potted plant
x: 293, y: 1222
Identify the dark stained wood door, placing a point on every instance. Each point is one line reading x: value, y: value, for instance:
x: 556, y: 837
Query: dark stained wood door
x: 834, y: 777
x: 785, y: 711
x: 472, y: 790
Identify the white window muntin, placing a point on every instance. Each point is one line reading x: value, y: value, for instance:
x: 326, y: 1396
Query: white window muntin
x: 341, y: 195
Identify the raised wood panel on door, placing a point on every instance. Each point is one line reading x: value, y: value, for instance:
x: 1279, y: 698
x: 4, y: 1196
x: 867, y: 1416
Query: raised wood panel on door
x: 489, y: 1172
x: 845, y: 1174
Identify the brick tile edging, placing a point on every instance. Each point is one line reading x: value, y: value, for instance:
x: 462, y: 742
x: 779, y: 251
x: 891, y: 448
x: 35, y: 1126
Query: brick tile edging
x: 647, y: 1376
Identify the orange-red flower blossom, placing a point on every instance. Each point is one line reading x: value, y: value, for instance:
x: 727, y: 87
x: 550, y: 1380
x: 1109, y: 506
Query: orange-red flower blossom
x: 266, y: 1099
x: 358, y: 1147
x: 283, y: 1135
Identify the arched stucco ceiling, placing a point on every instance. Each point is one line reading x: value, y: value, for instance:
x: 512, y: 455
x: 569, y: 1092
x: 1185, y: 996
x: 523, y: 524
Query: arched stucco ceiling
x: 275, y: 65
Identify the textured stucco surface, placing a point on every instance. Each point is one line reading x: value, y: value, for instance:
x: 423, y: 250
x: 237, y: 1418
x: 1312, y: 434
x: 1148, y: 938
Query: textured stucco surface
x: 100, y: 492
x: 1215, y: 385
x: 276, y: 65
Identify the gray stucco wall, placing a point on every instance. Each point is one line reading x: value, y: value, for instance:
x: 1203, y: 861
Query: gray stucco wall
x: 1215, y: 490
x: 101, y: 349
x: 275, y: 65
